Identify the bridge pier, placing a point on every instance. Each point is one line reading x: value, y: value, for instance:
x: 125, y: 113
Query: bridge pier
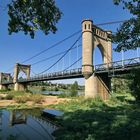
x: 20, y: 86
x: 3, y: 87
x: 98, y: 86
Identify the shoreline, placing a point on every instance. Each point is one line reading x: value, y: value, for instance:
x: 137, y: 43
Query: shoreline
x: 47, y: 101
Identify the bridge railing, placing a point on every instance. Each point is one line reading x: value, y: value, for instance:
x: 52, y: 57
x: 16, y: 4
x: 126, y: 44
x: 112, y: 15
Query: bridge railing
x: 54, y: 75
x: 6, y: 82
x: 123, y: 64
x: 118, y: 64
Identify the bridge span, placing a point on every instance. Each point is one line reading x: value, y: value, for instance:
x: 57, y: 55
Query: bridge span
x: 97, y: 77
x: 112, y: 69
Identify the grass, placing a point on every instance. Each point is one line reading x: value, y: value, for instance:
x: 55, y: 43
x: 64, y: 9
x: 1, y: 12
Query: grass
x: 9, y: 97
x: 23, y: 97
x: 36, y: 98
x: 22, y: 106
x: 93, y: 119
x: 4, y: 91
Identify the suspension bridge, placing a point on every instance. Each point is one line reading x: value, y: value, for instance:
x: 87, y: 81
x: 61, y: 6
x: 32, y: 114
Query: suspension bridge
x: 97, y: 77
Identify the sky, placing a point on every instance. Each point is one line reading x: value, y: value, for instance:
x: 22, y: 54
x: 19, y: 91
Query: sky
x: 18, y: 47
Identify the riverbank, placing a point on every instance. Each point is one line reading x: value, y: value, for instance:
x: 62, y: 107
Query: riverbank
x: 25, y: 100
x: 85, y: 119
x: 93, y: 119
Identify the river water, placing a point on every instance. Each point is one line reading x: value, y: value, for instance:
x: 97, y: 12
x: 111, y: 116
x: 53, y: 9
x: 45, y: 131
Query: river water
x: 55, y: 92
x: 25, y: 125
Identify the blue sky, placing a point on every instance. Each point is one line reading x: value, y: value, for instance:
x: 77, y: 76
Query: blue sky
x: 19, y: 47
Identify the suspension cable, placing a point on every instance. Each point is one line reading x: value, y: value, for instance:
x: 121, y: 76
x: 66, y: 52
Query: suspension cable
x: 59, y: 42
x: 45, y: 59
x: 9, y: 69
x: 60, y: 57
x: 34, y: 72
x: 54, y: 45
x: 73, y: 64
x: 111, y: 22
x: 100, y: 24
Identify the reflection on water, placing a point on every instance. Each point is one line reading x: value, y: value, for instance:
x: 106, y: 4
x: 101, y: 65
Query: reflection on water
x: 25, y: 125
x: 17, y: 118
x: 55, y: 92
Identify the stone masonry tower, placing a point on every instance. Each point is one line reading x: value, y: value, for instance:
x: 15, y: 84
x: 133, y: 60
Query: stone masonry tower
x: 87, y: 44
x: 18, y: 86
x: 93, y: 36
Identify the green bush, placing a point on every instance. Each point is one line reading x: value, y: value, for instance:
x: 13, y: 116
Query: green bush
x: 62, y: 95
x: 135, y: 84
x: 9, y: 97
x: 73, y: 93
x: 56, y: 89
x: 3, y: 91
x: 21, y: 99
x: 94, y: 119
x: 37, y: 98
x: 74, y: 89
x: 43, y: 89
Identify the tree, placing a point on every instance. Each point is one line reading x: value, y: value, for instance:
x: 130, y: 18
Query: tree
x: 128, y: 34
x: 74, y: 89
x: 121, y: 85
x: 135, y: 84
x: 32, y: 15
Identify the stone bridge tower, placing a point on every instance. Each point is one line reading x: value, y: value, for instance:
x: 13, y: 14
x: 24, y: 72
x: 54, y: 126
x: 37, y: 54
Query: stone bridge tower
x: 19, y: 86
x: 93, y: 36
x: 4, y: 78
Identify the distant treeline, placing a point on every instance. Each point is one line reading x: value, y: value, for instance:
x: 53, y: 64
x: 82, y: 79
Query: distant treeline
x: 58, y: 85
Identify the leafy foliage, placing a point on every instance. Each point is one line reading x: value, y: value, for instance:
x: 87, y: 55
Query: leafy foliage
x: 74, y: 89
x: 135, y: 84
x: 9, y: 97
x: 32, y: 15
x: 37, y: 98
x: 128, y: 34
x: 93, y: 119
x: 43, y: 88
x: 120, y: 85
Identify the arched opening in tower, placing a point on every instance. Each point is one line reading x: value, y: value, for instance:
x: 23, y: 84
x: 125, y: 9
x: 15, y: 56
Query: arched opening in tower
x: 98, y: 55
x: 22, y: 75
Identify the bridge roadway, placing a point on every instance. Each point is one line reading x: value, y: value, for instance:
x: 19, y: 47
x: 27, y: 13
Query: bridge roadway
x: 112, y: 69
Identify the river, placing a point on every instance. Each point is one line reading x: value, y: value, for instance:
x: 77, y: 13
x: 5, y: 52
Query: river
x: 25, y: 125
x: 54, y: 92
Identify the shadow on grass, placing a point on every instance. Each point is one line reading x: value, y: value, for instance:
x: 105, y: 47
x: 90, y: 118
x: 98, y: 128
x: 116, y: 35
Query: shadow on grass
x: 101, y: 122
x: 121, y: 98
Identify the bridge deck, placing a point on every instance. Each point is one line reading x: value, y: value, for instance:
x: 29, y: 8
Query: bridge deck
x: 114, y: 68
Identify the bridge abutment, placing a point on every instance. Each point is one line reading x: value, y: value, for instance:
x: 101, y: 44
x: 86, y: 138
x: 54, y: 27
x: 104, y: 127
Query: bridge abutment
x: 98, y: 86
x: 91, y: 87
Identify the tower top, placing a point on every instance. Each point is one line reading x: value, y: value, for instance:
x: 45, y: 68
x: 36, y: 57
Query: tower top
x: 87, y: 20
